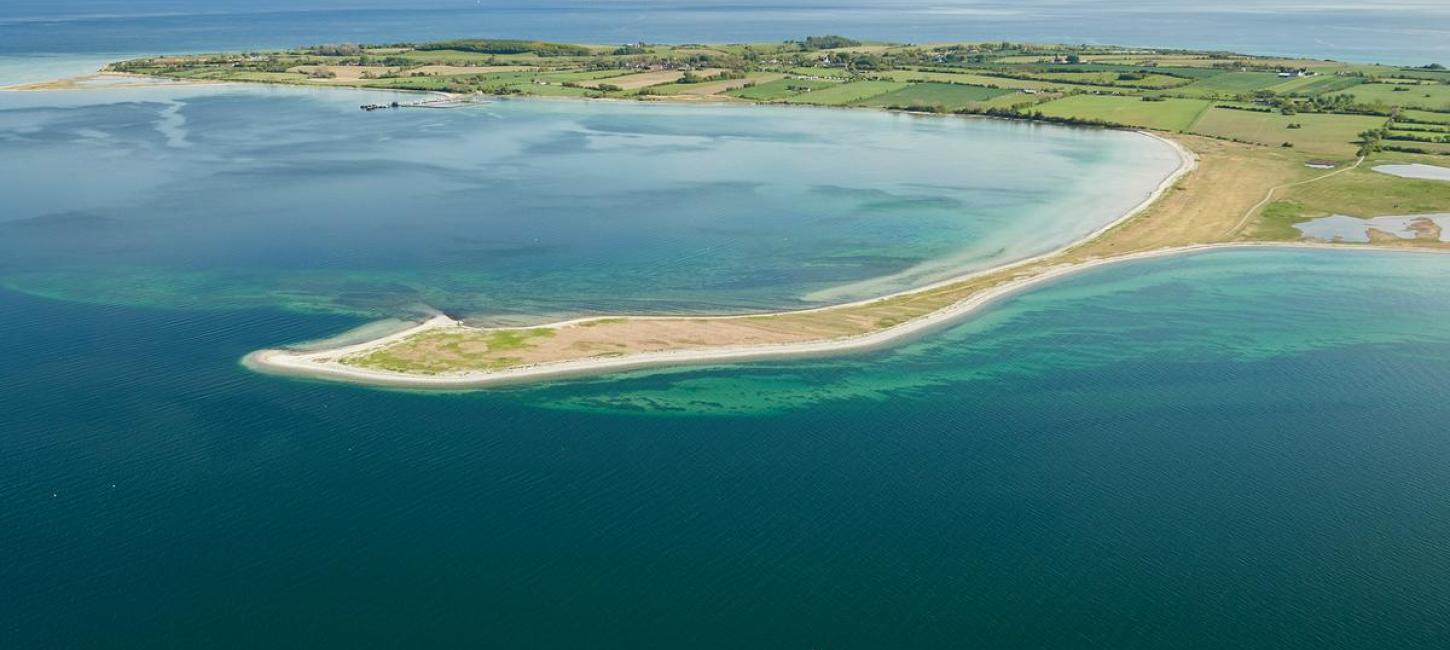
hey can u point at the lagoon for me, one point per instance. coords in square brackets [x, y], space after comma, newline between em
[217, 197]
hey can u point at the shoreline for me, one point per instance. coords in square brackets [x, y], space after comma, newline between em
[303, 365]
[321, 364]
[956, 299]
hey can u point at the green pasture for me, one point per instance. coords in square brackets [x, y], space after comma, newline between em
[1167, 115]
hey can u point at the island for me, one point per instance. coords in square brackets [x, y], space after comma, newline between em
[1273, 152]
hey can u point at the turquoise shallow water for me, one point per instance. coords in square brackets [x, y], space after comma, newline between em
[1233, 449]
[237, 196]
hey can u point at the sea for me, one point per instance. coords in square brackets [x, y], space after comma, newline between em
[1235, 448]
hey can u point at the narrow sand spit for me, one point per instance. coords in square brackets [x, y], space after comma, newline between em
[322, 365]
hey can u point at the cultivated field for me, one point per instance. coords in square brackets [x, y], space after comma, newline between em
[848, 93]
[945, 97]
[1329, 135]
[1167, 115]
[1430, 96]
[780, 89]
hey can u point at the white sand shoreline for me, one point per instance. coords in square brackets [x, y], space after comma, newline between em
[284, 362]
[322, 364]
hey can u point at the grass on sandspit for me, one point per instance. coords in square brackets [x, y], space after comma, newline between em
[1365, 193]
[442, 350]
[1360, 192]
[1277, 220]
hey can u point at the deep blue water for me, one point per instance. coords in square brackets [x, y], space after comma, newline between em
[1165, 454]
[1233, 449]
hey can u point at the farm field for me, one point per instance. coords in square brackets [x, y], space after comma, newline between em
[969, 78]
[1427, 116]
[1317, 85]
[581, 75]
[1325, 134]
[1014, 98]
[638, 80]
[1156, 81]
[780, 89]
[947, 97]
[1168, 115]
[1437, 148]
[708, 88]
[1231, 83]
[1427, 96]
[847, 93]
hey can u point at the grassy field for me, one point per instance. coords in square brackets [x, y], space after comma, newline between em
[946, 97]
[1317, 85]
[968, 78]
[780, 89]
[1015, 98]
[1324, 134]
[636, 81]
[1427, 116]
[848, 93]
[1168, 115]
[1426, 96]
[1113, 79]
[1232, 83]
[1359, 192]
[708, 88]
[581, 75]
[829, 73]
[1440, 148]
[439, 351]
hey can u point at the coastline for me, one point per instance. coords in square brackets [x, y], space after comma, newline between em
[306, 365]
[322, 364]
[995, 282]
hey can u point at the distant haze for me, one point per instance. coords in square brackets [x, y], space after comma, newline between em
[1400, 31]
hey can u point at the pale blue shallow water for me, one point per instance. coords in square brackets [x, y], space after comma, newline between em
[232, 196]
